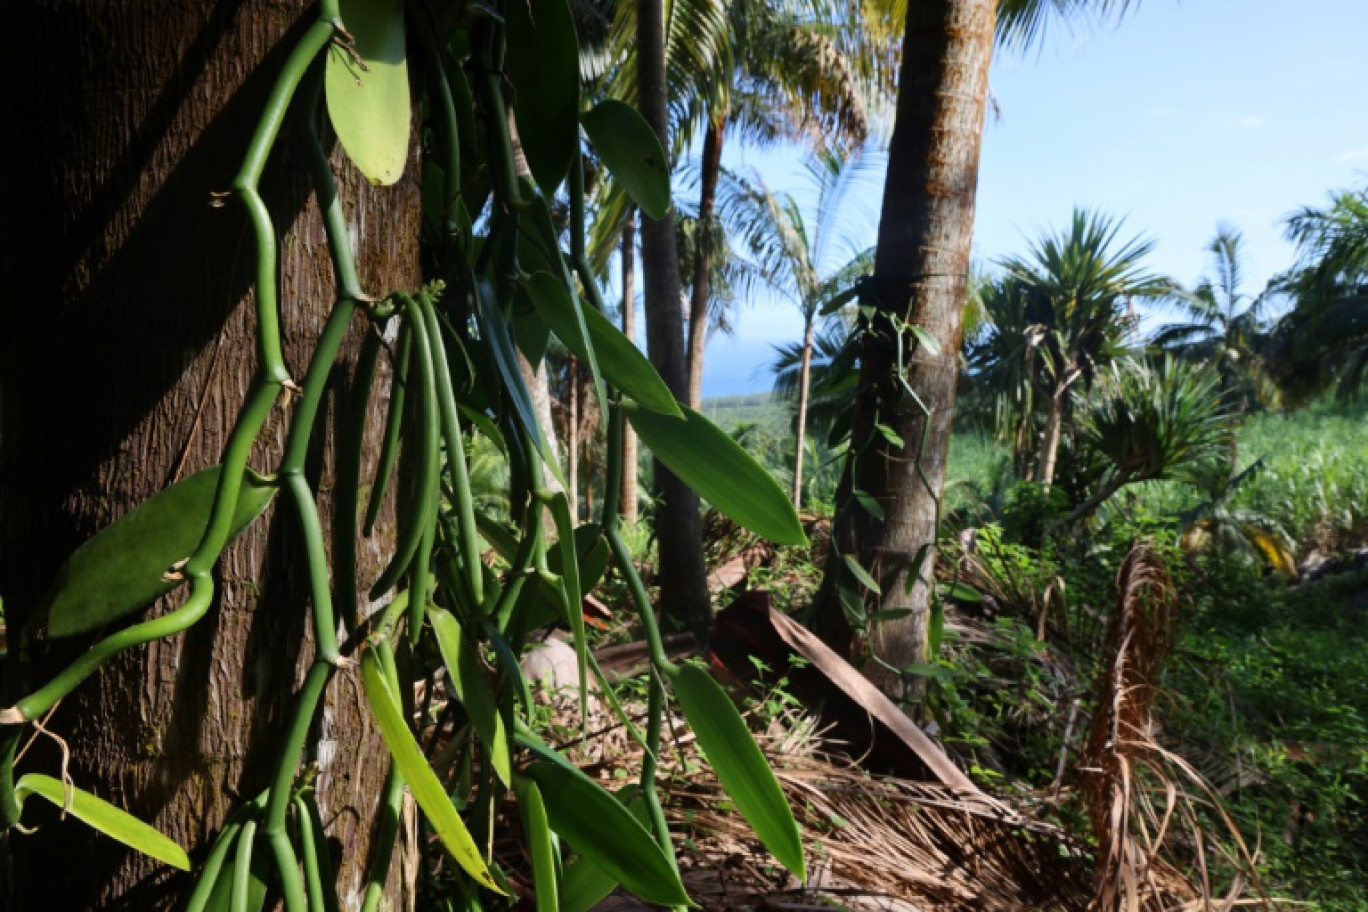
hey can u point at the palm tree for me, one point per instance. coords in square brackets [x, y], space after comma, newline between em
[922, 264]
[1323, 340]
[1077, 291]
[1222, 324]
[799, 253]
[679, 531]
[806, 72]
[832, 374]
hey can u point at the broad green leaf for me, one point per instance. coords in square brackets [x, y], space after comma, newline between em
[632, 152]
[541, 604]
[921, 670]
[585, 884]
[422, 781]
[739, 764]
[839, 301]
[722, 473]
[543, 65]
[472, 689]
[962, 593]
[105, 817]
[861, 574]
[925, 339]
[495, 328]
[538, 833]
[936, 628]
[621, 362]
[368, 91]
[598, 827]
[122, 568]
[870, 505]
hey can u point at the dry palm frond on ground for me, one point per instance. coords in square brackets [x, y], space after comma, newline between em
[1143, 800]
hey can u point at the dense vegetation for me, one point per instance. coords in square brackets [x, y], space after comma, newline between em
[1114, 568]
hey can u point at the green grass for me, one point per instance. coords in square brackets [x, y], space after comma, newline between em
[1312, 479]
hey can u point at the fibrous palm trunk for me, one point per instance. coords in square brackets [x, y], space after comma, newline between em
[128, 349]
[921, 269]
[678, 529]
[710, 172]
[800, 437]
[629, 440]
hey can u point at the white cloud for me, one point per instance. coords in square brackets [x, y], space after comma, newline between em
[1353, 155]
[1250, 122]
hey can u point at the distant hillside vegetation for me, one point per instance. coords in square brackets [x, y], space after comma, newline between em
[764, 409]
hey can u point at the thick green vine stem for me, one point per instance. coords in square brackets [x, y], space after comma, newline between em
[245, 184]
[456, 456]
[423, 492]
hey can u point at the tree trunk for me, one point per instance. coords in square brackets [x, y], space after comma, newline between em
[1049, 444]
[703, 262]
[920, 273]
[678, 528]
[129, 348]
[804, 381]
[629, 440]
[572, 441]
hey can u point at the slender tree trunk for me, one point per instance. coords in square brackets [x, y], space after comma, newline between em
[128, 349]
[920, 273]
[629, 439]
[804, 382]
[1049, 444]
[703, 262]
[678, 528]
[572, 439]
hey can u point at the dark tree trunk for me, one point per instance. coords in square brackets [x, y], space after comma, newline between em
[919, 276]
[703, 262]
[678, 529]
[127, 353]
[800, 438]
[629, 440]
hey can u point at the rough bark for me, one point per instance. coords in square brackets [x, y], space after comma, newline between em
[711, 170]
[629, 439]
[128, 351]
[800, 437]
[678, 528]
[921, 267]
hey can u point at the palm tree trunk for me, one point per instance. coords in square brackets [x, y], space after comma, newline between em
[1049, 444]
[116, 241]
[678, 529]
[629, 440]
[804, 380]
[711, 171]
[920, 274]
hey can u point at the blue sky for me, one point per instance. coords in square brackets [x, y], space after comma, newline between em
[1184, 115]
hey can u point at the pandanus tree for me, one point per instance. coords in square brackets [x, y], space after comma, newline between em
[1149, 422]
[1222, 324]
[804, 253]
[884, 531]
[1078, 289]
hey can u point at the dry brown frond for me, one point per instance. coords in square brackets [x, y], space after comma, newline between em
[1143, 800]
